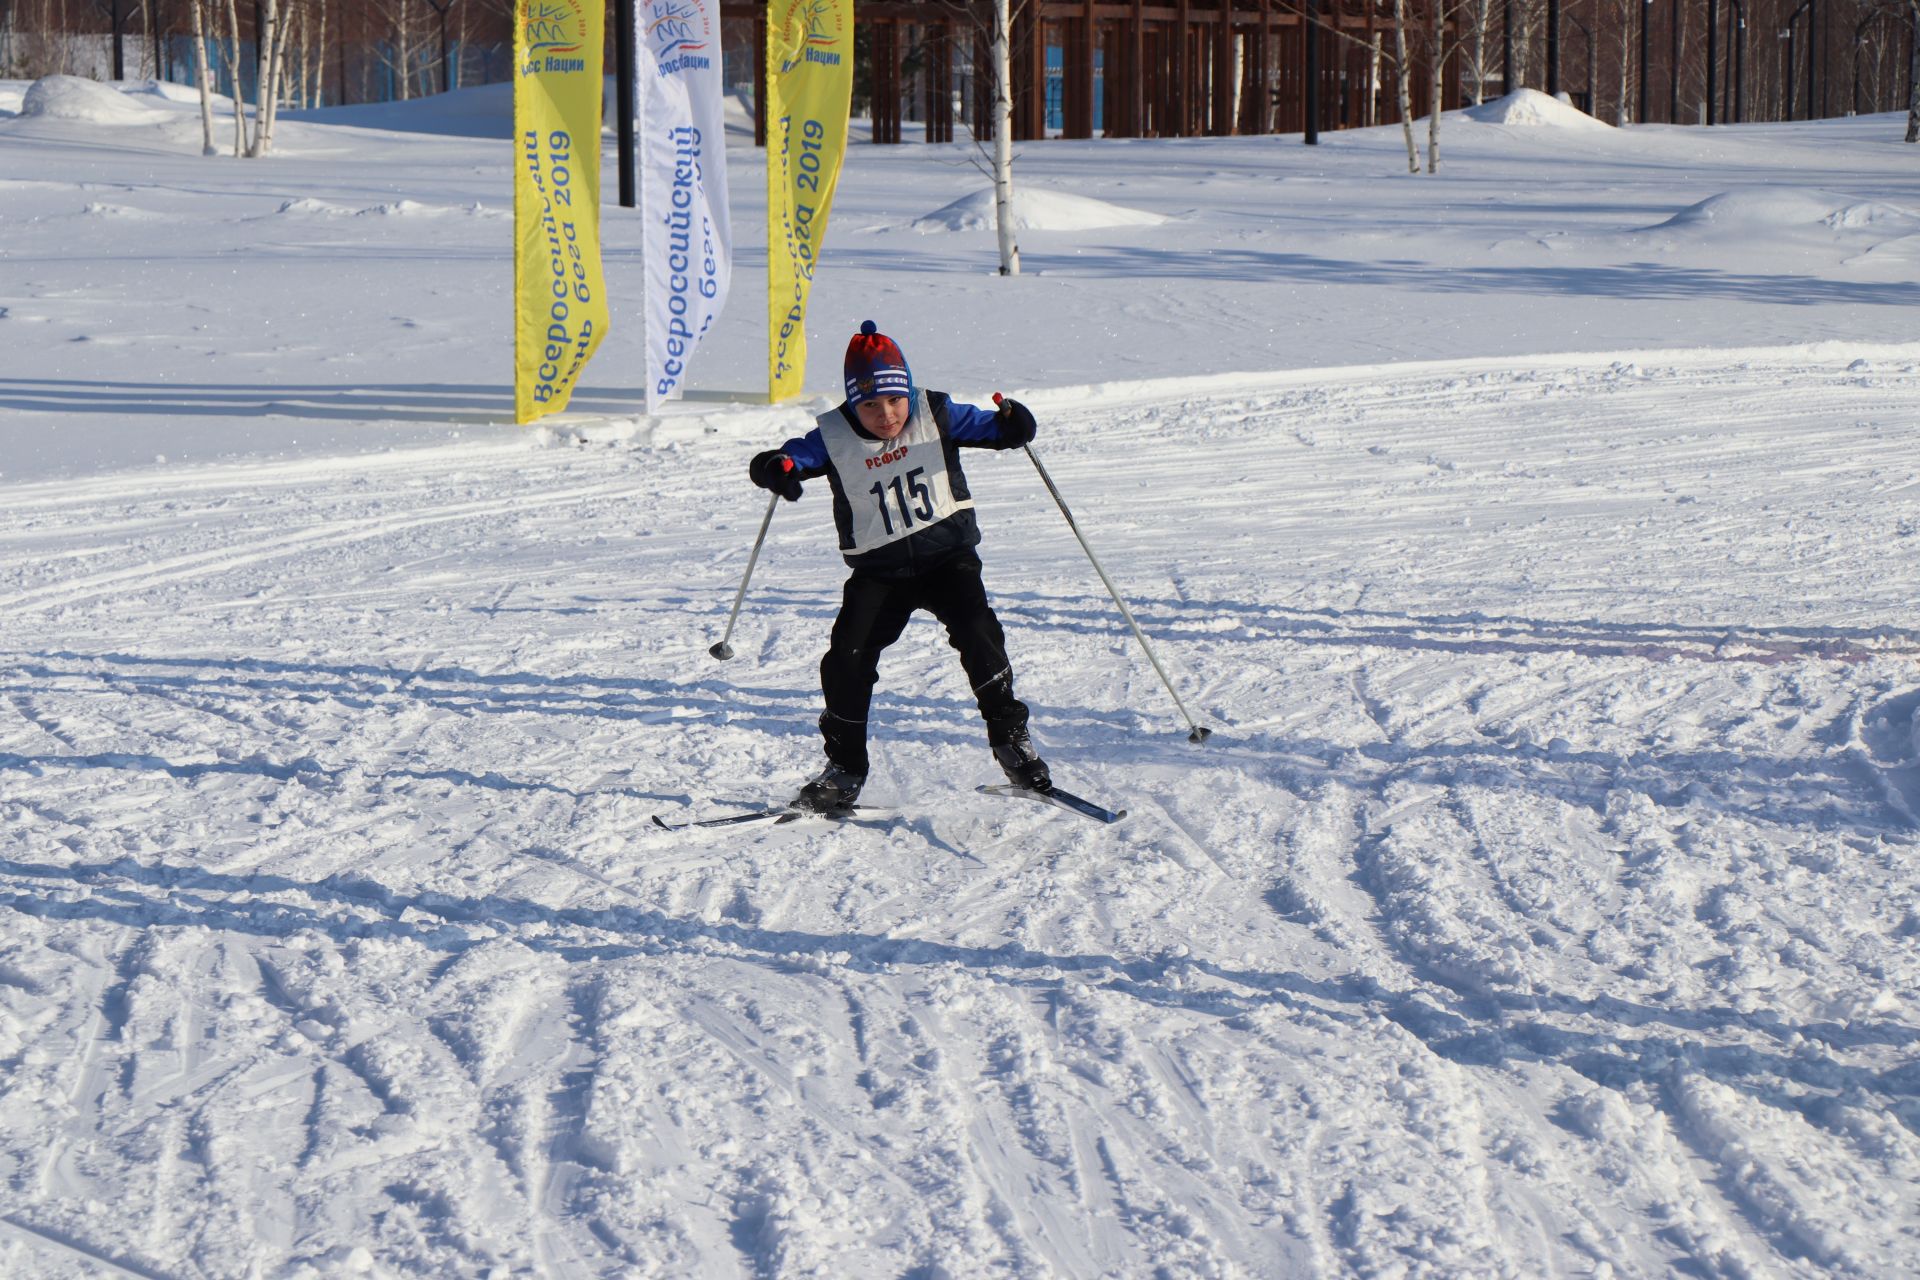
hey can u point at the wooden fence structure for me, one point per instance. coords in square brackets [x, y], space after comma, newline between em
[1127, 68]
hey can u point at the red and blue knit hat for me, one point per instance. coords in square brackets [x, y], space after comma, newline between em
[875, 366]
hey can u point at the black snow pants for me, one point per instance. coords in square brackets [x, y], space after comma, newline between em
[873, 613]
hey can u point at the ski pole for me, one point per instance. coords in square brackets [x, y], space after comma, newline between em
[723, 650]
[1200, 732]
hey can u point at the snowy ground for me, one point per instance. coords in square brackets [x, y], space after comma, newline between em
[1544, 904]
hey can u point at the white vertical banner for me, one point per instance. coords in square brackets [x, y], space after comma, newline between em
[687, 240]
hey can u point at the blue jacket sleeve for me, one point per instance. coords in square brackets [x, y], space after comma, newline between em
[809, 454]
[971, 425]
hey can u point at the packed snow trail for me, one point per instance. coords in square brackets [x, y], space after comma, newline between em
[1543, 905]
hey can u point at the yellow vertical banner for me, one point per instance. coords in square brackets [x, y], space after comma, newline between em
[809, 93]
[559, 293]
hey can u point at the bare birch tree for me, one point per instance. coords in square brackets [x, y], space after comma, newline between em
[230, 54]
[202, 75]
[1403, 82]
[1476, 60]
[1398, 59]
[1003, 137]
[1625, 11]
[294, 60]
[404, 57]
[153, 37]
[1437, 48]
[266, 97]
[317, 69]
[1448, 29]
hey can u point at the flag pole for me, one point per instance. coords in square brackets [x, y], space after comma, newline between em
[623, 60]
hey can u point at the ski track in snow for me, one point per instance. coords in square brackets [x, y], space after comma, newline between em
[1543, 904]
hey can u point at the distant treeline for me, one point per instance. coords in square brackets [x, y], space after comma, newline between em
[1681, 61]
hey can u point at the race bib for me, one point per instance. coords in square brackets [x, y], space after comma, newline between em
[893, 488]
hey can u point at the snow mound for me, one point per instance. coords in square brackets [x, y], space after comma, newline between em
[71, 98]
[1871, 213]
[1035, 210]
[98, 210]
[478, 111]
[1782, 208]
[481, 111]
[308, 207]
[1532, 108]
[167, 91]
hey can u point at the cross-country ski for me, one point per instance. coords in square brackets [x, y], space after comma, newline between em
[1058, 797]
[778, 814]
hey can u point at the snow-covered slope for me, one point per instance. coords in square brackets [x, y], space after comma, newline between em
[1544, 903]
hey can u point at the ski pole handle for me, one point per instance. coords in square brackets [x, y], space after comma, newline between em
[723, 650]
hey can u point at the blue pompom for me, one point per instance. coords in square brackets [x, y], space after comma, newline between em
[868, 326]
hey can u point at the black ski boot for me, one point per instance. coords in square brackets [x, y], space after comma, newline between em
[1021, 763]
[833, 790]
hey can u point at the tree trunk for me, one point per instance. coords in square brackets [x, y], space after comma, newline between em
[1373, 82]
[1003, 137]
[202, 75]
[1482, 13]
[1620, 109]
[277, 71]
[263, 93]
[318, 95]
[299, 43]
[1436, 61]
[231, 56]
[1403, 80]
[400, 60]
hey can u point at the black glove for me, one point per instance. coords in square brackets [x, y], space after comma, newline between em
[774, 471]
[1016, 424]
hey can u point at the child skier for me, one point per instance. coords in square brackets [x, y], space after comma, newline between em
[907, 530]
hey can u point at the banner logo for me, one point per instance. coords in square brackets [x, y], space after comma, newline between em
[679, 32]
[824, 28]
[553, 28]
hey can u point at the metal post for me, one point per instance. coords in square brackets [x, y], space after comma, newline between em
[1592, 73]
[1813, 54]
[624, 58]
[1311, 32]
[1506, 48]
[1553, 47]
[1673, 63]
[1790, 68]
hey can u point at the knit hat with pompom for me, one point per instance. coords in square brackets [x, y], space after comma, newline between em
[875, 366]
